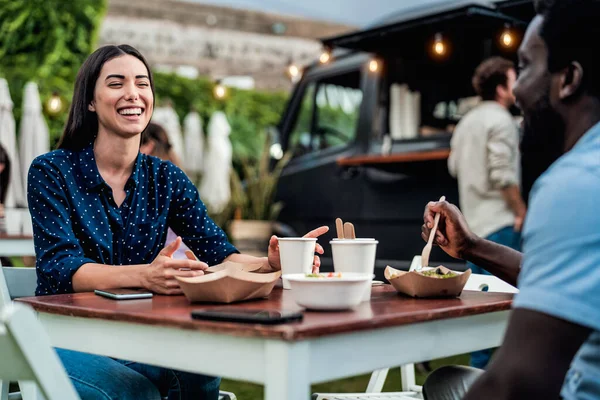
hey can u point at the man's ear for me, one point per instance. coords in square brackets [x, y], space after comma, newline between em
[571, 80]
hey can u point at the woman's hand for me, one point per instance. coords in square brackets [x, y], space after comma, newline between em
[160, 275]
[273, 254]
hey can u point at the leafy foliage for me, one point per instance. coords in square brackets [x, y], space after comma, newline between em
[258, 183]
[46, 41]
[249, 112]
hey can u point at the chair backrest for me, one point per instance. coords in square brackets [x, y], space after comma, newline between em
[21, 281]
[489, 283]
[28, 356]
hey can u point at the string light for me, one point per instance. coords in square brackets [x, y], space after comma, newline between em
[507, 39]
[220, 91]
[325, 56]
[54, 105]
[439, 47]
[373, 66]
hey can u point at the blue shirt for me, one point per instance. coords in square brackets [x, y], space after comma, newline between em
[560, 275]
[76, 220]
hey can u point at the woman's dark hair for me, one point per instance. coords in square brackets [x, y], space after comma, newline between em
[156, 133]
[5, 174]
[570, 31]
[82, 124]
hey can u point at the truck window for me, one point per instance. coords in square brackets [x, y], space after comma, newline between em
[328, 114]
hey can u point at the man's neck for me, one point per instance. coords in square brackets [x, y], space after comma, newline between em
[579, 119]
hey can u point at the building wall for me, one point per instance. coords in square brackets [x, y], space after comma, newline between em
[216, 41]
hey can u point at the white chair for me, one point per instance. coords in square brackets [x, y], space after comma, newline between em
[17, 282]
[28, 356]
[21, 282]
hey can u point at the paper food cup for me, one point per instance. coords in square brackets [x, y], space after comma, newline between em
[296, 255]
[354, 255]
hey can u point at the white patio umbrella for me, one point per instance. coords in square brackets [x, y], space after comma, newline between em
[193, 137]
[16, 194]
[215, 190]
[169, 120]
[33, 131]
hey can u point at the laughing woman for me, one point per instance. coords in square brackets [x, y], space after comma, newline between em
[100, 212]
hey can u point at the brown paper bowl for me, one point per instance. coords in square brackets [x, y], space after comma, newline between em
[416, 285]
[229, 282]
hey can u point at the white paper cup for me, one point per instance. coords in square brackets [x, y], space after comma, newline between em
[296, 255]
[354, 255]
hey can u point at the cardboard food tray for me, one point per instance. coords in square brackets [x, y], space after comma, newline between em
[416, 285]
[229, 282]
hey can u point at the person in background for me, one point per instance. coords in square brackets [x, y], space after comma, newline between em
[155, 142]
[4, 179]
[484, 157]
[551, 348]
[100, 211]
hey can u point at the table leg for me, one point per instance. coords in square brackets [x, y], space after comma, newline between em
[287, 371]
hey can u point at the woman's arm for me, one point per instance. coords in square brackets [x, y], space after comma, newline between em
[158, 277]
[62, 265]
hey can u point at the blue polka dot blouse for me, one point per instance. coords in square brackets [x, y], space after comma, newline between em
[76, 220]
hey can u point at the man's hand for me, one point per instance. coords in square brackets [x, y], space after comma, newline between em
[453, 234]
[273, 254]
[159, 277]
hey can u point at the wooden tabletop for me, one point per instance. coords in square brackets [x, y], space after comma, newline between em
[387, 308]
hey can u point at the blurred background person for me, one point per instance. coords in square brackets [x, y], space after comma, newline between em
[484, 157]
[4, 178]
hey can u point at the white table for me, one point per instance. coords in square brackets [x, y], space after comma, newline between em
[287, 359]
[16, 237]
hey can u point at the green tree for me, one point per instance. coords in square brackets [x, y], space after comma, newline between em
[47, 41]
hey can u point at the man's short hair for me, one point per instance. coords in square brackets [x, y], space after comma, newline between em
[571, 31]
[489, 74]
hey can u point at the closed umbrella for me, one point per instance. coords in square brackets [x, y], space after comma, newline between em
[169, 120]
[215, 190]
[193, 138]
[16, 193]
[33, 132]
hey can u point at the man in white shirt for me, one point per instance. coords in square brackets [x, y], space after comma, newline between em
[485, 159]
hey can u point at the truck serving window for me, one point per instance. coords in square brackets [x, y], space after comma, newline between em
[328, 114]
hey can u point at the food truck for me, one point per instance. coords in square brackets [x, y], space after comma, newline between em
[369, 123]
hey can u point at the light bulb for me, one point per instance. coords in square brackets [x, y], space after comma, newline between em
[325, 57]
[439, 47]
[373, 66]
[220, 91]
[507, 39]
[293, 70]
[54, 104]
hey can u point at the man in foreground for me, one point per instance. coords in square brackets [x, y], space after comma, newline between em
[556, 319]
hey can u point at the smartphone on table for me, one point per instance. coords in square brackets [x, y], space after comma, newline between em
[124, 294]
[228, 314]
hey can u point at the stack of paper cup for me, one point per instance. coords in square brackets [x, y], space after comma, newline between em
[296, 255]
[354, 255]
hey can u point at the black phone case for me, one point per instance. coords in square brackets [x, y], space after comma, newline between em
[223, 316]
